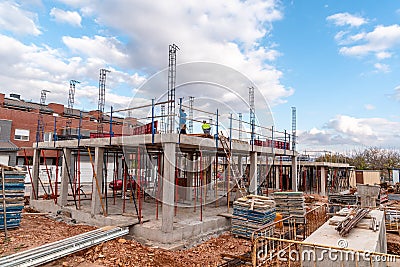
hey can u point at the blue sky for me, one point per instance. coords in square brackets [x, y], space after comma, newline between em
[337, 61]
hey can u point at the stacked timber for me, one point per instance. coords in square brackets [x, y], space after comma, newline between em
[290, 204]
[12, 190]
[250, 213]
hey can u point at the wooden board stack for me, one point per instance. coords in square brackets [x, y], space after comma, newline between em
[290, 204]
[250, 213]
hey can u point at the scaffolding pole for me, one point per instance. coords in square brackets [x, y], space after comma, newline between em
[102, 99]
[171, 86]
[252, 113]
[71, 100]
[191, 102]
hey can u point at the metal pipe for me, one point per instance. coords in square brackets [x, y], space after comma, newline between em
[56, 185]
[4, 204]
[216, 132]
[144, 106]
[111, 132]
[152, 122]
[79, 128]
[30, 176]
[48, 174]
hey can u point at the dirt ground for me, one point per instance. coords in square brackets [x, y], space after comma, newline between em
[393, 243]
[36, 230]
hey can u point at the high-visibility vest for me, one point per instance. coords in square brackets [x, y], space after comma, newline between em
[205, 126]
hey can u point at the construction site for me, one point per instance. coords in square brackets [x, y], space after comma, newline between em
[138, 191]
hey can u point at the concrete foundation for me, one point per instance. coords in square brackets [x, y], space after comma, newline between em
[187, 226]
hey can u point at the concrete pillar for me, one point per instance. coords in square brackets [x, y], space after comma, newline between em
[168, 195]
[96, 207]
[240, 165]
[66, 165]
[190, 178]
[35, 173]
[253, 173]
[294, 174]
[323, 182]
[277, 178]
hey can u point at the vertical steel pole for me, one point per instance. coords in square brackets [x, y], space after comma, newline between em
[111, 117]
[216, 134]
[4, 204]
[180, 118]
[152, 121]
[230, 133]
[79, 128]
[55, 130]
[56, 182]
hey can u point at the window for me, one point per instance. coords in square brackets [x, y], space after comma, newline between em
[48, 137]
[22, 135]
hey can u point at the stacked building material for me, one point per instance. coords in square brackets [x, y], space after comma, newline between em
[12, 194]
[250, 213]
[343, 199]
[290, 204]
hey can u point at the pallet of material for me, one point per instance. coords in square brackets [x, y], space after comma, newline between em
[290, 204]
[342, 199]
[12, 197]
[250, 213]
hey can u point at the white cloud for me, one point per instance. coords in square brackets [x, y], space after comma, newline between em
[382, 67]
[234, 33]
[70, 17]
[106, 49]
[350, 125]
[378, 42]
[27, 69]
[346, 19]
[224, 32]
[383, 55]
[344, 132]
[369, 107]
[13, 18]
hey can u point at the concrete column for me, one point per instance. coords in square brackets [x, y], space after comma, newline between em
[35, 173]
[253, 173]
[294, 174]
[277, 178]
[167, 224]
[323, 182]
[240, 165]
[96, 207]
[66, 165]
[190, 177]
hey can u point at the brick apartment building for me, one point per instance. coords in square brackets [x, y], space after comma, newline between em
[19, 127]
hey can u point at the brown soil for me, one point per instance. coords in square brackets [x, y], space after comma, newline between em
[393, 243]
[36, 230]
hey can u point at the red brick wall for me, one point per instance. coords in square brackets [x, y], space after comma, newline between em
[58, 108]
[27, 120]
[1, 99]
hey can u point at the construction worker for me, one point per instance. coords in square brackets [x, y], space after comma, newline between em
[182, 117]
[206, 128]
[183, 129]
